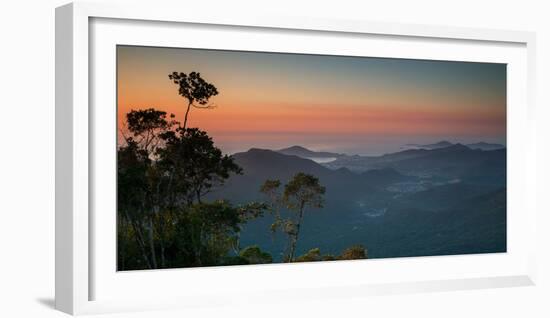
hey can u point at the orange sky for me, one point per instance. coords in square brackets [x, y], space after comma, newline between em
[354, 105]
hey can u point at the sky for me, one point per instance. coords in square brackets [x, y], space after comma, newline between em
[354, 105]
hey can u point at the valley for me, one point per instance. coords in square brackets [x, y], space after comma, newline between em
[417, 202]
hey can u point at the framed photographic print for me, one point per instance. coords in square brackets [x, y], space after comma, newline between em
[211, 158]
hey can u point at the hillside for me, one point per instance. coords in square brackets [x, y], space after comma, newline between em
[416, 201]
[306, 153]
[456, 161]
[443, 144]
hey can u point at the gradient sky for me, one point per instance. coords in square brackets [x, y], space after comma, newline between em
[355, 105]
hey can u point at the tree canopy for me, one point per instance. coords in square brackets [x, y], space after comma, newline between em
[195, 89]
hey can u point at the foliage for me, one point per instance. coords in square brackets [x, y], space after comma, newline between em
[204, 233]
[254, 255]
[148, 121]
[194, 165]
[350, 253]
[164, 170]
[195, 89]
[302, 191]
[146, 125]
[354, 252]
[312, 255]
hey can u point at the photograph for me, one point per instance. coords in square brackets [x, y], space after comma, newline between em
[246, 158]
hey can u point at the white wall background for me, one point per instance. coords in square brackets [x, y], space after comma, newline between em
[27, 158]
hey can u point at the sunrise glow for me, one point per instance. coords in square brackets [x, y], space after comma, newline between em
[347, 104]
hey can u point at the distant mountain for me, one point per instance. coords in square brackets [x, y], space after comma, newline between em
[444, 144]
[415, 153]
[456, 161]
[485, 146]
[441, 144]
[306, 153]
[451, 148]
[264, 163]
[261, 164]
[364, 163]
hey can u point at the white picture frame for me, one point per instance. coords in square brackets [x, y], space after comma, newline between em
[85, 281]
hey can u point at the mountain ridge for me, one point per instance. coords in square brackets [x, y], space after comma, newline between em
[303, 152]
[480, 145]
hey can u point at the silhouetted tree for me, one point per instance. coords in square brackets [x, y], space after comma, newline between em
[313, 255]
[350, 253]
[191, 166]
[271, 189]
[194, 164]
[136, 163]
[163, 171]
[354, 252]
[133, 190]
[195, 89]
[302, 191]
[254, 255]
[146, 126]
